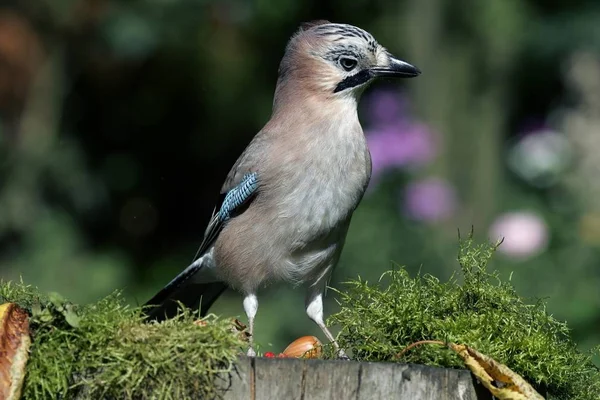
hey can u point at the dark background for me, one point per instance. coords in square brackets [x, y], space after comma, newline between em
[119, 121]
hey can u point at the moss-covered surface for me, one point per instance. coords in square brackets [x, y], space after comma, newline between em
[106, 351]
[379, 320]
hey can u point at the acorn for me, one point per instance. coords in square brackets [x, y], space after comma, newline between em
[304, 347]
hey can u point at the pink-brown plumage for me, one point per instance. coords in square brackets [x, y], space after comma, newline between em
[313, 167]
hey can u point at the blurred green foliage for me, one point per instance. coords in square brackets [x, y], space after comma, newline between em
[120, 119]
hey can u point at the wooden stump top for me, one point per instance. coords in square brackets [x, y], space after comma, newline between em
[284, 378]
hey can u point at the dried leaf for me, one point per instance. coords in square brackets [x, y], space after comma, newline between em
[237, 328]
[14, 350]
[490, 372]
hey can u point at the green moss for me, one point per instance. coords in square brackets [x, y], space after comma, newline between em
[105, 351]
[379, 320]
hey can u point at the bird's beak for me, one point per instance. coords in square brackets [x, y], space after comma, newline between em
[397, 69]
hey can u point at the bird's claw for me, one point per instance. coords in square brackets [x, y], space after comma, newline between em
[342, 355]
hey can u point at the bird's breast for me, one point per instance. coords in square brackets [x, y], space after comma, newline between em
[317, 200]
[326, 184]
[295, 228]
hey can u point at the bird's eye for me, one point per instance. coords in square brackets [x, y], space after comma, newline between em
[348, 63]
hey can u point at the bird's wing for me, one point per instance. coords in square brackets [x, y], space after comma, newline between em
[237, 192]
[232, 203]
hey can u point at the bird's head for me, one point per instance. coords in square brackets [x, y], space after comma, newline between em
[330, 60]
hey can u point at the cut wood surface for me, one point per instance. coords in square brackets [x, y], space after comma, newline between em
[280, 378]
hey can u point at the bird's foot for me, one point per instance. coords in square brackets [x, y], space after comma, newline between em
[251, 352]
[342, 355]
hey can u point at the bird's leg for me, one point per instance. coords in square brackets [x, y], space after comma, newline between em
[250, 307]
[314, 310]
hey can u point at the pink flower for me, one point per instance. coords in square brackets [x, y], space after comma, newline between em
[431, 199]
[394, 140]
[385, 107]
[400, 145]
[525, 234]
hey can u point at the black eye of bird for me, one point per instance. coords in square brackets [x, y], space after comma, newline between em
[348, 63]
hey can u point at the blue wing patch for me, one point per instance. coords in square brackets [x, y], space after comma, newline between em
[238, 195]
[231, 203]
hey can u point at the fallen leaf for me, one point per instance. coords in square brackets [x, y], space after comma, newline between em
[14, 349]
[512, 386]
[237, 328]
[500, 380]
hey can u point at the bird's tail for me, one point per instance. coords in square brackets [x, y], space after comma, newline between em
[186, 290]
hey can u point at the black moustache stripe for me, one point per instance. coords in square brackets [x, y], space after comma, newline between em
[354, 80]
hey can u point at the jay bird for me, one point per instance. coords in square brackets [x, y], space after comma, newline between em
[287, 202]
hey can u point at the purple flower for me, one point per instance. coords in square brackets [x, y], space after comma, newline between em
[395, 141]
[400, 145]
[430, 199]
[525, 234]
[385, 107]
